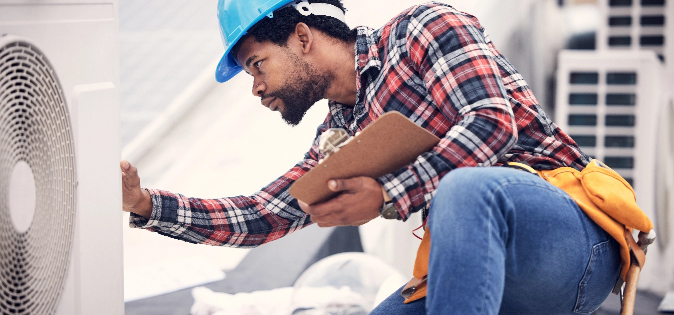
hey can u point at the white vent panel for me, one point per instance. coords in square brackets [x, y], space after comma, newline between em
[37, 144]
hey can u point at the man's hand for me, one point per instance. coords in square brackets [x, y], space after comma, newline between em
[134, 199]
[357, 204]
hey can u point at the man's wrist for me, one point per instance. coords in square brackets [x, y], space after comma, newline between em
[144, 206]
[388, 208]
[384, 194]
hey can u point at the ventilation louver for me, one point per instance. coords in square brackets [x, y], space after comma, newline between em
[37, 181]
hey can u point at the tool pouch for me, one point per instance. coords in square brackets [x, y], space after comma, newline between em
[606, 198]
[613, 195]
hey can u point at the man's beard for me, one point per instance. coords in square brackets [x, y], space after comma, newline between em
[303, 88]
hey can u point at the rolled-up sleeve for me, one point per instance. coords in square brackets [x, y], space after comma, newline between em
[242, 221]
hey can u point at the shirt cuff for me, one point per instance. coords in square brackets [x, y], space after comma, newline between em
[139, 222]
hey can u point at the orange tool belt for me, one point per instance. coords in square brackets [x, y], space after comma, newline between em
[599, 191]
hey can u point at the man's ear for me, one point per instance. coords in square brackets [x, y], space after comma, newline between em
[305, 36]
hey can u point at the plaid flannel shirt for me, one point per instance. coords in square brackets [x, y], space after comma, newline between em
[433, 64]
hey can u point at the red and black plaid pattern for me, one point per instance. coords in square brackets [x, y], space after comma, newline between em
[433, 64]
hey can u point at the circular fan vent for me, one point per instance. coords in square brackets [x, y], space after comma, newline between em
[37, 181]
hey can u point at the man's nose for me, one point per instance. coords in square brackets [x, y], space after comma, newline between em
[258, 88]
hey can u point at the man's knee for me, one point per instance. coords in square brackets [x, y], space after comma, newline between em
[462, 181]
[450, 181]
[469, 194]
[455, 188]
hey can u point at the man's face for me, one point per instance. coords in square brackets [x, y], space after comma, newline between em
[282, 80]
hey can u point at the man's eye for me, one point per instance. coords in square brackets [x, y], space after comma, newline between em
[257, 64]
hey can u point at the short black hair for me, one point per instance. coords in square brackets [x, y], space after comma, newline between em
[278, 29]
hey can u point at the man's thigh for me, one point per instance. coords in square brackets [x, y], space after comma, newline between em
[552, 257]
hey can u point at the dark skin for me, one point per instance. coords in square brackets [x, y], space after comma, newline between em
[360, 198]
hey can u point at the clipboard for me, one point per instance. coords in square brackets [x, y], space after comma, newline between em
[389, 143]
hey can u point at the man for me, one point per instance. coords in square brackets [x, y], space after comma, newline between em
[503, 240]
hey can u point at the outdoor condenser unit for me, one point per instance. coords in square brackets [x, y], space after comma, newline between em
[60, 201]
[617, 107]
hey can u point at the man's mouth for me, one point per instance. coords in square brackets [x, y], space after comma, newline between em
[270, 104]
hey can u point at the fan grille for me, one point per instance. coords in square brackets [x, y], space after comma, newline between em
[34, 129]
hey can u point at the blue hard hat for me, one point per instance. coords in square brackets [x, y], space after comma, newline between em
[236, 18]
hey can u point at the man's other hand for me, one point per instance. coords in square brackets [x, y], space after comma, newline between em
[134, 199]
[359, 202]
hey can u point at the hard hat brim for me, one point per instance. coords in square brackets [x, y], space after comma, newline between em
[227, 68]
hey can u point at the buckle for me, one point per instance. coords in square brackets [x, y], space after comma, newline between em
[412, 286]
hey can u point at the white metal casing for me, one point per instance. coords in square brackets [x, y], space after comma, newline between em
[80, 40]
[651, 98]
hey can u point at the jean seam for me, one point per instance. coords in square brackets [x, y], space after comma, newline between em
[581, 297]
[543, 184]
[488, 273]
[493, 203]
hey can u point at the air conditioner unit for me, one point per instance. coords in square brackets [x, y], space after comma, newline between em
[611, 103]
[60, 201]
[637, 25]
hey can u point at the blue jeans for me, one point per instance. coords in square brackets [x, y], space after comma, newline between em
[505, 241]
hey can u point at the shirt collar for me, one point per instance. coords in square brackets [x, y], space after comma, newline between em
[367, 50]
[367, 58]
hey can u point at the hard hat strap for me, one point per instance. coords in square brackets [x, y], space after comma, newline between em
[305, 8]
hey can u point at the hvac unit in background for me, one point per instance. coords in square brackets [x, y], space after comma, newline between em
[637, 25]
[60, 218]
[612, 103]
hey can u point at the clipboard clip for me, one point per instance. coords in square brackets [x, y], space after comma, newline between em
[331, 140]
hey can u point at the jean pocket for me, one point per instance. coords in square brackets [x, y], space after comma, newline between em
[600, 275]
